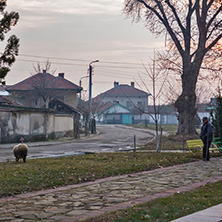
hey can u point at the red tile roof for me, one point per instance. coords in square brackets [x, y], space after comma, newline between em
[4, 100]
[120, 90]
[105, 106]
[124, 90]
[59, 101]
[45, 80]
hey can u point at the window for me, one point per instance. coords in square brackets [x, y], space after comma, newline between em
[139, 103]
[127, 104]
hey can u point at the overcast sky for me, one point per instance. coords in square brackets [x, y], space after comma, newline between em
[76, 33]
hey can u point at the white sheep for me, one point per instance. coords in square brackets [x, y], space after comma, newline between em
[20, 152]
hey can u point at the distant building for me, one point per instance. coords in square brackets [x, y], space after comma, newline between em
[32, 91]
[25, 113]
[114, 113]
[126, 95]
[121, 104]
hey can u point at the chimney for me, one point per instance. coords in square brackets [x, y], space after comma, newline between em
[132, 84]
[116, 84]
[62, 75]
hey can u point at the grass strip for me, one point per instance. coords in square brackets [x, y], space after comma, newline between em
[170, 208]
[39, 174]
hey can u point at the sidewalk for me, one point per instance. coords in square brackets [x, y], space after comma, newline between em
[212, 214]
[82, 201]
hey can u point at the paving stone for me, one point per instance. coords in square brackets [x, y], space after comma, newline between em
[29, 216]
[55, 218]
[65, 204]
[52, 220]
[95, 207]
[6, 218]
[80, 200]
[97, 203]
[78, 204]
[18, 220]
[43, 215]
[78, 196]
[77, 212]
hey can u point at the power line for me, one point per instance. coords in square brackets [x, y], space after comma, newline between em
[72, 64]
[80, 60]
[58, 63]
[49, 57]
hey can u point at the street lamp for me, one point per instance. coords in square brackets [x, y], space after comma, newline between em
[90, 92]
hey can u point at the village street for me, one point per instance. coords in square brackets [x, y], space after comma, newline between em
[111, 138]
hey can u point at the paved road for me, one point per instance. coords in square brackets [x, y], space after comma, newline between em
[110, 139]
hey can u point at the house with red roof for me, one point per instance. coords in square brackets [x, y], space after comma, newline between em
[40, 107]
[134, 100]
[114, 113]
[126, 95]
[38, 90]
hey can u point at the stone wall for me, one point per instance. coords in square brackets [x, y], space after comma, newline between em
[33, 125]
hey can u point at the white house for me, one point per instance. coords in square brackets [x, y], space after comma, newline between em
[126, 95]
[114, 113]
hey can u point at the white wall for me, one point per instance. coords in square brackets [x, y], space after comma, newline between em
[63, 123]
[203, 114]
[124, 100]
[30, 123]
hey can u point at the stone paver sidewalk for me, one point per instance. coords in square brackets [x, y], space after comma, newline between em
[76, 202]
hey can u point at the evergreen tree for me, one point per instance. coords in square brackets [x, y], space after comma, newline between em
[217, 118]
[7, 57]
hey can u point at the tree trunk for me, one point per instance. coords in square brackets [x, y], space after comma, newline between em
[186, 102]
[186, 108]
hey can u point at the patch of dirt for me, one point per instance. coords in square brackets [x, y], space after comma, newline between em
[171, 142]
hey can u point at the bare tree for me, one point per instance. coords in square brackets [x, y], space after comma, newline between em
[158, 77]
[42, 82]
[39, 67]
[155, 75]
[83, 106]
[193, 29]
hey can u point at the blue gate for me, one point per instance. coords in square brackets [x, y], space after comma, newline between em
[127, 118]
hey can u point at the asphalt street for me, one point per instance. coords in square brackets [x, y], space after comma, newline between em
[111, 138]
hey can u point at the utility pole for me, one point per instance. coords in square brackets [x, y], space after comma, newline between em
[80, 85]
[90, 95]
[90, 92]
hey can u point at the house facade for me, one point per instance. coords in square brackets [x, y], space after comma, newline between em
[37, 123]
[126, 95]
[38, 90]
[114, 113]
[40, 107]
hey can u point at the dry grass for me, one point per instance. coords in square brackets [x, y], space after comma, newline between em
[171, 142]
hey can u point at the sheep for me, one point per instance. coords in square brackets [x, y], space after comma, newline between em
[20, 152]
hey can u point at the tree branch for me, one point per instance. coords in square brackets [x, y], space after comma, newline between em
[213, 43]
